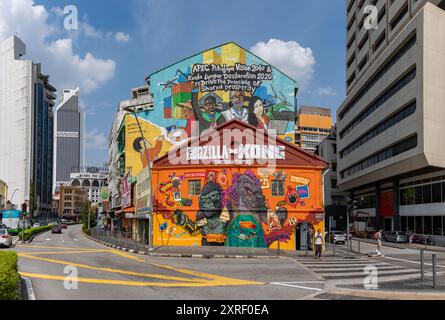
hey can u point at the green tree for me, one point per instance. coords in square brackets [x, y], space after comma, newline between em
[86, 209]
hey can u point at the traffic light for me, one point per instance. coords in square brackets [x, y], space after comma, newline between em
[352, 204]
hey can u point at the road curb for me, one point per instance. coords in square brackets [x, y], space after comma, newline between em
[179, 255]
[28, 291]
[388, 294]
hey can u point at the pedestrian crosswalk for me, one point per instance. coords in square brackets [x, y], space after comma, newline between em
[356, 270]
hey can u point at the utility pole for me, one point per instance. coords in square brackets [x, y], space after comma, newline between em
[352, 205]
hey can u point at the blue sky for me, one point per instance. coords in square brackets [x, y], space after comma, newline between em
[156, 33]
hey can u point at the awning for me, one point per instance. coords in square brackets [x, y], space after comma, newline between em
[126, 210]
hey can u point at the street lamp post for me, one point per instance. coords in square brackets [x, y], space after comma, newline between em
[147, 158]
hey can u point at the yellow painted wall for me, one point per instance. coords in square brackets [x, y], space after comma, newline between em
[3, 192]
[133, 159]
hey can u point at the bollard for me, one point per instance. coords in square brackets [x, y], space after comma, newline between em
[278, 251]
[422, 265]
[434, 271]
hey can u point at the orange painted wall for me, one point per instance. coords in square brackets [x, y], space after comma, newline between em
[174, 235]
[314, 121]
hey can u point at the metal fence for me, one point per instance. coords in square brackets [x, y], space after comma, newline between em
[125, 239]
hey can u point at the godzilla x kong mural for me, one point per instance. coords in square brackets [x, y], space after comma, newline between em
[252, 206]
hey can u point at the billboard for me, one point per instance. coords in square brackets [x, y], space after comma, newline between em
[126, 191]
[143, 192]
[11, 218]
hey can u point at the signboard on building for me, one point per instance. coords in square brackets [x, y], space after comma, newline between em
[126, 191]
[243, 154]
[143, 192]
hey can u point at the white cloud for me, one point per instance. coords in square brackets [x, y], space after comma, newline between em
[96, 140]
[327, 91]
[67, 69]
[122, 37]
[290, 57]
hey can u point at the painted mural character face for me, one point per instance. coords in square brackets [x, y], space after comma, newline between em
[210, 201]
[251, 195]
[210, 105]
[258, 108]
[237, 99]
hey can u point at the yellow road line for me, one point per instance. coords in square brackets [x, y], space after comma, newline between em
[65, 252]
[146, 275]
[126, 255]
[127, 283]
[47, 247]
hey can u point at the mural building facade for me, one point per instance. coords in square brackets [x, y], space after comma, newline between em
[234, 198]
[223, 202]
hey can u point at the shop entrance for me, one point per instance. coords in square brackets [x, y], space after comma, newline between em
[304, 236]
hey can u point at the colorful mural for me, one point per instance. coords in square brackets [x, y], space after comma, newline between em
[236, 214]
[219, 85]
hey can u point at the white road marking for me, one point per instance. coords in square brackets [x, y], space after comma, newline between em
[301, 282]
[294, 286]
[416, 262]
[48, 239]
[76, 239]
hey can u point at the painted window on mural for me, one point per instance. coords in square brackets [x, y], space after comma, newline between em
[277, 188]
[194, 187]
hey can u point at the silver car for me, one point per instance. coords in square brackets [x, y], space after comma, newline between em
[5, 238]
[338, 237]
[397, 237]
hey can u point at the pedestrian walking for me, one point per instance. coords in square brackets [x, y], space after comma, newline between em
[318, 244]
[379, 238]
[411, 239]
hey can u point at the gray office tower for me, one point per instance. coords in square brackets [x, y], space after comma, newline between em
[69, 137]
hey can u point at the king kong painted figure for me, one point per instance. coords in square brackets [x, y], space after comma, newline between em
[211, 221]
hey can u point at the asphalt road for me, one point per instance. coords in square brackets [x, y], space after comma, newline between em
[51, 262]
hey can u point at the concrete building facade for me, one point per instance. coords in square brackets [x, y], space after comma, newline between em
[313, 126]
[334, 199]
[71, 201]
[26, 128]
[141, 100]
[391, 123]
[91, 183]
[69, 137]
[3, 195]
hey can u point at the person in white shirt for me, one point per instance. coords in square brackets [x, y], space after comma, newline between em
[318, 244]
[237, 109]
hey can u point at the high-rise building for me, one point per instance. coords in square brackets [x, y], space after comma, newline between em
[69, 137]
[314, 124]
[390, 127]
[26, 128]
[334, 199]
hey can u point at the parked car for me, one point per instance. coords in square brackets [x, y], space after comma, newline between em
[428, 240]
[64, 225]
[396, 237]
[36, 225]
[337, 237]
[5, 238]
[56, 229]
